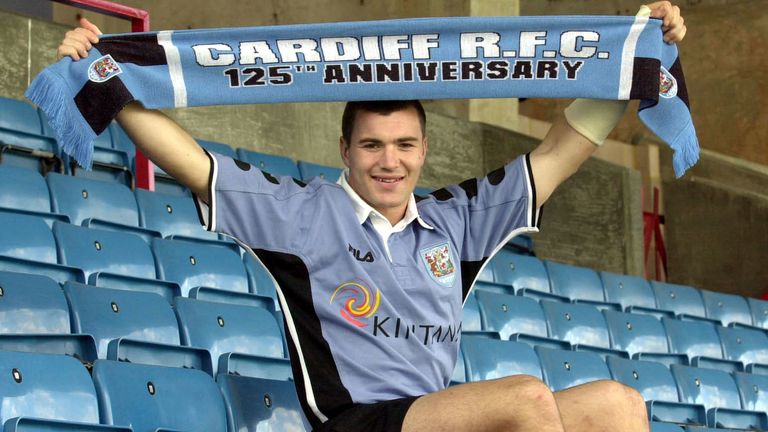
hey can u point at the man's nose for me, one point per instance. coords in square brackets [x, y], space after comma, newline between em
[390, 158]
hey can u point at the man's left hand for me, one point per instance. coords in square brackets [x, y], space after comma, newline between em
[674, 27]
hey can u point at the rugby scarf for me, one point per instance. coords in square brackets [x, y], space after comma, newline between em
[598, 57]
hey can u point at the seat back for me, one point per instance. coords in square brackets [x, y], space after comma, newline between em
[149, 397]
[636, 333]
[471, 314]
[83, 198]
[16, 115]
[680, 299]
[574, 282]
[653, 380]
[217, 147]
[709, 387]
[224, 328]
[259, 280]
[31, 304]
[95, 250]
[564, 369]
[48, 386]
[693, 338]
[26, 237]
[520, 271]
[510, 314]
[488, 358]
[170, 215]
[256, 404]
[627, 290]
[726, 308]
[576, 323]
[309, 170]
[744, 345]
[759, 310]
[753, 390]
[23, 189]
[109, 314]
[273, 164]
[192, 264]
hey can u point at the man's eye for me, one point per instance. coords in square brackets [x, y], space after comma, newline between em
[370, 145]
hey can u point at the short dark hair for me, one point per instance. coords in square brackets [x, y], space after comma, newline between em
[378, 107]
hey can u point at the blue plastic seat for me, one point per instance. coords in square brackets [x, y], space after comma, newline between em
[192, 264]
[421, 191]
[753, 389]
[26, 237]
[717, 391]
[665, 427]
[23, 189]
[744, 344]
[579, 324]
[759, 310]
[165, 289]
[510, 314]
[574, 282]
[726, 308]
[488, 358]
[31, 304]
[565, 369]
[228, 328]
[680, 299]
[26, 424]
[109, 314]
[170, 215]
[46, 386]
[309, 170]
[639, 335]
[273, 164]
[520, 244]
[627, 290]
[259, 280]
[699, 341]
[259, 404]
[22, 142]
[471, 320]
[149, 397]
[521, 272]
[82, 198]
[95, 250]
[217, 147]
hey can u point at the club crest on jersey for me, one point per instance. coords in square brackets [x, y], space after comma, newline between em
[667, 84]
[439, 265]
[103, 68]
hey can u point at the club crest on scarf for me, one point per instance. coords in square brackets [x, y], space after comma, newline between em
[439, 265]
[103, 69]
[667, 84]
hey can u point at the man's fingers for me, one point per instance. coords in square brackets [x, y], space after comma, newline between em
[66, 50]
[676, 34]
[659, 9]
[86, 34]
[78, 38]
[84, 23]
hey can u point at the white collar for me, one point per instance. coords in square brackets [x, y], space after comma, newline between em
[363, 210]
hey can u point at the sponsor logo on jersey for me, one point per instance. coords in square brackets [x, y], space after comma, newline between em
[356, 302]
[439, 265]
[104, 68]
[667, 84]
[368, 257]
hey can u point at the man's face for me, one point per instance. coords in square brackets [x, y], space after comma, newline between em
[384, 156]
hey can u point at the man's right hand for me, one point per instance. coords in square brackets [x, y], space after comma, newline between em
[79, 41]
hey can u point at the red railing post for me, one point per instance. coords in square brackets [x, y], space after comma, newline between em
[139, 18]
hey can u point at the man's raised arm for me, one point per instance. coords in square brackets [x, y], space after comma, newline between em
[586, 123]
[160, 138]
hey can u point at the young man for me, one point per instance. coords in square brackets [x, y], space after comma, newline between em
[372, 279]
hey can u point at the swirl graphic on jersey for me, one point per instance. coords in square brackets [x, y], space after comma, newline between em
[358, 303]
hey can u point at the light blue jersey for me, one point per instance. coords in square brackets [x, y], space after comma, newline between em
[369, 321]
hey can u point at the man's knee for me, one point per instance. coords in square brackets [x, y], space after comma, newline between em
[622, 397]
[529, 391]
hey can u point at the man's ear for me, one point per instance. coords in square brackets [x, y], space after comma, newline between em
[426, 146]
[344, 151]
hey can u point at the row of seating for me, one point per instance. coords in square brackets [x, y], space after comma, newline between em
[680, 394]
[609, 332]
[512, 273]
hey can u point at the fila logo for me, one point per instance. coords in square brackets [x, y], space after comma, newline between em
[356, 253]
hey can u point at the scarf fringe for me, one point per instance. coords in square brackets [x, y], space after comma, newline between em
[73, 134]
[686, 150]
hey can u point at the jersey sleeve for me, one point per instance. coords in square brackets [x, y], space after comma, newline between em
[258, 209]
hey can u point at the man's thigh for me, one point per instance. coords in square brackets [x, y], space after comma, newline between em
[602, 406]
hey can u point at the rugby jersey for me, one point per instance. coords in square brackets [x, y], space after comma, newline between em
[368, 318]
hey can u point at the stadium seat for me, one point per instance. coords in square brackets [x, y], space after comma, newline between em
[217, 147]
[309, 170]
[259, 404]
[23, 189]
[574, 282]
[26, 237]
[520, 244]
[759, 309]
[657, 385]
[167, 290]
[726, 308]
[421, 191]
[24, 424]
[665, 427]
[32, 304]
[109, 314]
[459, 375]
[224, 328]
[744, 344]
[510, 314]
[170, 215]
[273, 164]
[525, 274]
[753, 390]
[46, 386]
[565, 369]
[717, 391]
[680, 299]
[149, 397]
[488, 358]
[471, 320]
[485, 274]
[700, 342]
[579, 324]
[22, 142]
[259, 280]
[627, 290]
[192, 264]
[642, 336]
[95, 250]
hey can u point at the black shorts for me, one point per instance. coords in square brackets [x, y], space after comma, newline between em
[384, 416]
